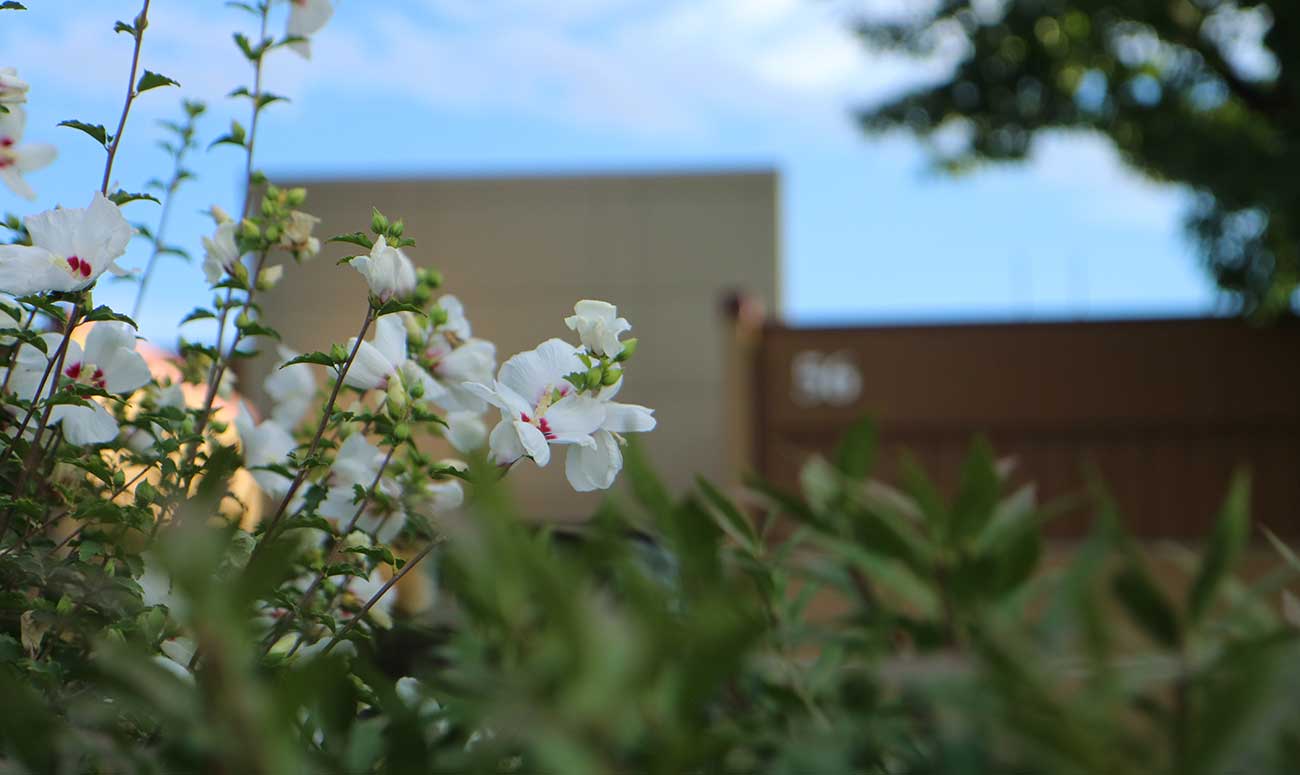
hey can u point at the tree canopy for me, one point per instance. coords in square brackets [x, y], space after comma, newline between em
[1198, 92]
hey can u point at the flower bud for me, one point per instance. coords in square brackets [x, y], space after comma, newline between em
[629, 349]
[417, 390]
[244, 320]
[248, 230]
[272, 233]
[378, 223]
[402, 431]
[219, 215]
[399, 402]
[438, 317]
[269, 207]
[269, 276]
[396, 229]
[594, 376]
[611, 377]
[239, 272]
[421, 295]
[338, 352]
[295, 196]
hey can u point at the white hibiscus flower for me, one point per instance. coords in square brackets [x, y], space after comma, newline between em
[357, 463]
[306, 18]
[17, 159]
[71, 248]
[387, 270]
[599, 326]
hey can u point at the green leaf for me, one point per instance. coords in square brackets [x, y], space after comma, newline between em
[730, 518]
[152, 80]
[857, 449]
[121, 26]
[396, 305]
[96, 131]
[198, 314]
[121, 197]
[1147, 605]
[1225, 545]
[255, 328]
[103, 312]
[12, 5]
[236, 136]
[355, 238]
[317, 358]
[977, 497]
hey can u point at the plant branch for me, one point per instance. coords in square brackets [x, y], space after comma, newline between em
[141, 22]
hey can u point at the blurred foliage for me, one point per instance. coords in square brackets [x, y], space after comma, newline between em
[869, 629]
[1198, 92]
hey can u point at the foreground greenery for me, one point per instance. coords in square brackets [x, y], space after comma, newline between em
[888, 631]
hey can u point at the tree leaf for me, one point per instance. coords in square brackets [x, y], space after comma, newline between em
[1147, 605]
[121, 197]
[355, 238]
[857, 449]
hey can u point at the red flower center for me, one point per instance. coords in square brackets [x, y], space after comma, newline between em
[75, 371]
[79, 266]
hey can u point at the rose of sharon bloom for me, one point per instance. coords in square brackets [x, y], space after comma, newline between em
[387, 270]
[538, 406]
[358, 463]
[306, 18]
[595, 468]
[264, 444]
[384, 365]
[297, 237]
[220, 252]
[453, 357]
[13, 90]
[71, 248]
[17, 159]
[292, 389]
[599, 326]
[109, 362]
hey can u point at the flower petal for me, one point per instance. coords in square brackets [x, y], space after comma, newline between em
[594, 468]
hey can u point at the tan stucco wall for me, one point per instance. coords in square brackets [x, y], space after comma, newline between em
[520, 251]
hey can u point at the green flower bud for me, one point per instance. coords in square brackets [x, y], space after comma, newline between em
[402, 431]
[269, 276]
[269, 207]
[594, 375]
[248, 230]
[611, 376]
[438, 316]
[273, 233]
[295, 196]
[421, 295]
[399, 403]
[629, 349]
[396, 229]
[417, 390]
[240, 273]
[378, 223]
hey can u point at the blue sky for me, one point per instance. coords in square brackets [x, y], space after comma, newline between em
[498, 86]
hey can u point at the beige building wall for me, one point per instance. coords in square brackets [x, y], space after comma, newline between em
[520, 251]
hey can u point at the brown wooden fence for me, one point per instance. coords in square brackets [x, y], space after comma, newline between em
[1163, 409]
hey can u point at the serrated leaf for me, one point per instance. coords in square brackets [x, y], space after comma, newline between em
[121, 197]
[96, 131]
[152, 80]
[103, 312]
[317, 358]
[355, 238]
[198, 314]
[393, 305]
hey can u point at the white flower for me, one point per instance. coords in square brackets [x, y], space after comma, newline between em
[436, 496]
[306, 18]
[71, 249]
[15, 159]
[220, 252]
[13, 90]
[456, 324]
[377, 363]
[599, 326]
[357, 463]
[538, 406]
[109, 362]
[156, 587]
[596, 467]
[292, 389]
[387, 270]
[145, 441]
[297, 235]
[264, 444]
[466, 431]
[358, 591]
